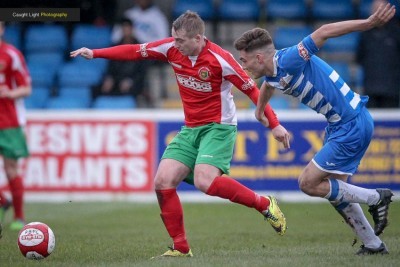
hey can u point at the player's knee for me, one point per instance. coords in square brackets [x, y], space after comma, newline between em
[305, 185]
[158, 183]
[161, 182]
[10, 172]
[203, 179]
[202, 183]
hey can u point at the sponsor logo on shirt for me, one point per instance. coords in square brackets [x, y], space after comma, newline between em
[204, 73]
[143, 50]
[193, 83]
[248, 85]
[303, 51]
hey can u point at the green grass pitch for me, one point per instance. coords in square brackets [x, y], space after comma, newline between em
[220, 234]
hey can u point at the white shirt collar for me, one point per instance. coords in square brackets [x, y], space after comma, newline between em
[275, 63]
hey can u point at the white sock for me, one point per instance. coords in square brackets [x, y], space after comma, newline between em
[345, 192]
[355, 217]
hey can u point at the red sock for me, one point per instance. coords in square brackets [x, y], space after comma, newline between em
[228, 188]
[3, 199]
[172, 216]
[17, 193]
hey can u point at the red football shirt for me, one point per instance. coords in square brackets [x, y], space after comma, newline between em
[13, 73]
[205, 81]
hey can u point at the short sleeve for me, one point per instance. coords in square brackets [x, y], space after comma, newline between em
[294, 58]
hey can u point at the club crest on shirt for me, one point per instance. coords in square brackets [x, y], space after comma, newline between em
[204, 73]
[303, 51]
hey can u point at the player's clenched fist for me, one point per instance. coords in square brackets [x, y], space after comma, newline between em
[84, 52]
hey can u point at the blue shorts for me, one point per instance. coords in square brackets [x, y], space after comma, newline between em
[345, 145]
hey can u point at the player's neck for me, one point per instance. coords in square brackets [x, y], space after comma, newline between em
[269, 66]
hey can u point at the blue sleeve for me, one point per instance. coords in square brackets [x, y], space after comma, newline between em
[294, 58]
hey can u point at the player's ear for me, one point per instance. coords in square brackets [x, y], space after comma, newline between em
[198, 37]
[260, 58]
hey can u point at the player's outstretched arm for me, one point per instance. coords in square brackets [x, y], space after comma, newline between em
[382, 15]
[266, 93]
[84, 52]
[279, 132]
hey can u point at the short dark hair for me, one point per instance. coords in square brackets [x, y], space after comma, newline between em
[253, 39]
[190, 22]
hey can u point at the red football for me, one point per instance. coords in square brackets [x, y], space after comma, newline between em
[36, 241]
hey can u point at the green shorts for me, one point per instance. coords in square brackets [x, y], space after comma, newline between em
[208, 144]
[13, 143]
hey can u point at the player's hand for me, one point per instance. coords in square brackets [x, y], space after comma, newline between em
[281, 134]
[382, 15]
[83, 52]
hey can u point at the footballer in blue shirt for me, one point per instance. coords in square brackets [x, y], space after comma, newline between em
[298, 72]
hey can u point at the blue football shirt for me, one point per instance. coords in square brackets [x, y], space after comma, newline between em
[300, 73]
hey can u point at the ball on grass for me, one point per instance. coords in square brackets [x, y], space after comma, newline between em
[36, 241]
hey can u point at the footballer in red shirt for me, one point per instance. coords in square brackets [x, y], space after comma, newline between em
[15, 84]
[201, 152]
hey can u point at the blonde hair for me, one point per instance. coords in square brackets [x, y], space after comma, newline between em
[190, 22]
